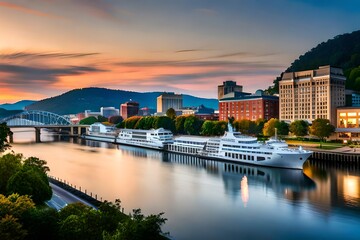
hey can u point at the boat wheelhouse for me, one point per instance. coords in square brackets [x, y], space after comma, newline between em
[101, 132]
[154, 138]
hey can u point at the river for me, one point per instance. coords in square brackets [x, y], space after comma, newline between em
[206, 199]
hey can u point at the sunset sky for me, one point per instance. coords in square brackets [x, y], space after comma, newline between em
[48, 47]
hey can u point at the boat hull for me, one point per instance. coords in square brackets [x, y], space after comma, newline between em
[135, 144]
[100, 138]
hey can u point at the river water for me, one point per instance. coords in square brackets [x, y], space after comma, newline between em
[206, 199]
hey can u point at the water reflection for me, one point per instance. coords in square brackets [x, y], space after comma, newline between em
[236, 175]
[340, 188]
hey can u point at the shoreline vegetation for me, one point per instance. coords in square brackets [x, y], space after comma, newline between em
[24, 188]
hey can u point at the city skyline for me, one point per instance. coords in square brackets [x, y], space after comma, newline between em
[49, 47]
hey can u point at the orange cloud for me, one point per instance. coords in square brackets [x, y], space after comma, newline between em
[26, 10]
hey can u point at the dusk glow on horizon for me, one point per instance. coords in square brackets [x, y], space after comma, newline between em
[48, 47]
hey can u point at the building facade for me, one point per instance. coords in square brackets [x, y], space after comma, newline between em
[348, 123]
[312, 94]
[249, 107]
[228, 87]
[109, 111]
[129, 109]
[169, 100]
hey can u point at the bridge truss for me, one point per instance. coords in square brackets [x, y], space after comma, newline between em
[35, 117]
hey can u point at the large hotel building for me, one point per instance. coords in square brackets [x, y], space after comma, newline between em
[312, 94]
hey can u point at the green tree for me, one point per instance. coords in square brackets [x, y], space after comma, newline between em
[15, 205]
[245, 126]
[138, 227]
[259, 126]
[299, 128]
[4, 133]
[192, 125]
[351, 80]
[171, 113]
[115, 119]
[282, 128]
[179, 124]
[321, 128]
[34, 162]
[164, 122]
[41, 223]
[88, 120]
[269, 127]
[207, 129]
[141, 123]
[131, 122]
[78, 221]
[111, 215]
[9, 165]
[30, 181]
[219, 128]
[101, 119]
[11, 229]
[149, 122]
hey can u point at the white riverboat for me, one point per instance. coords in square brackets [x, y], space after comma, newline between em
[101, 132]
[154, 138]
[236, 147]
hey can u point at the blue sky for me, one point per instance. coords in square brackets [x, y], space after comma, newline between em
[48, 47]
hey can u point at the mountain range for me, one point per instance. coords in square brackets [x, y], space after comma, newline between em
[16, 106]
[79, 100]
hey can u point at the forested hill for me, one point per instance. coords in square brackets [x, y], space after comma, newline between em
[342, 51]
[6, 113]
[78, 100]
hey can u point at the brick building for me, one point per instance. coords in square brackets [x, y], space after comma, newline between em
[250, 107]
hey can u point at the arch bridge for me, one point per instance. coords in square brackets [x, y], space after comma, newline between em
[36, 118]
[42, 119]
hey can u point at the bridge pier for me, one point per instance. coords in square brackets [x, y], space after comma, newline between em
[37, 135]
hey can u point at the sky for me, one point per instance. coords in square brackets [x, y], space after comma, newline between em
[48, 47]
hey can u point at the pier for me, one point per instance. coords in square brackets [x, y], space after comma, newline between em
[338, 157]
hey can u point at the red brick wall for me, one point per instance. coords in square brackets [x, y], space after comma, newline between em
[251, 109]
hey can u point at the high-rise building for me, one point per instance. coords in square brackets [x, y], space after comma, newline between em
[169, 100]
[312, 94]
[109, 111]
[129, 109]
[249, 107]
[228, 87]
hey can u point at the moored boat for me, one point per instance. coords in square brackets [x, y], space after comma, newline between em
[101, 132]
[153, 138]
[235, 147]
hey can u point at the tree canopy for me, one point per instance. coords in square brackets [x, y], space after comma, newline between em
[299, 128]
[281, 126]
[321, 128]
[89, 120]
[171, 113]
[4, 133]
